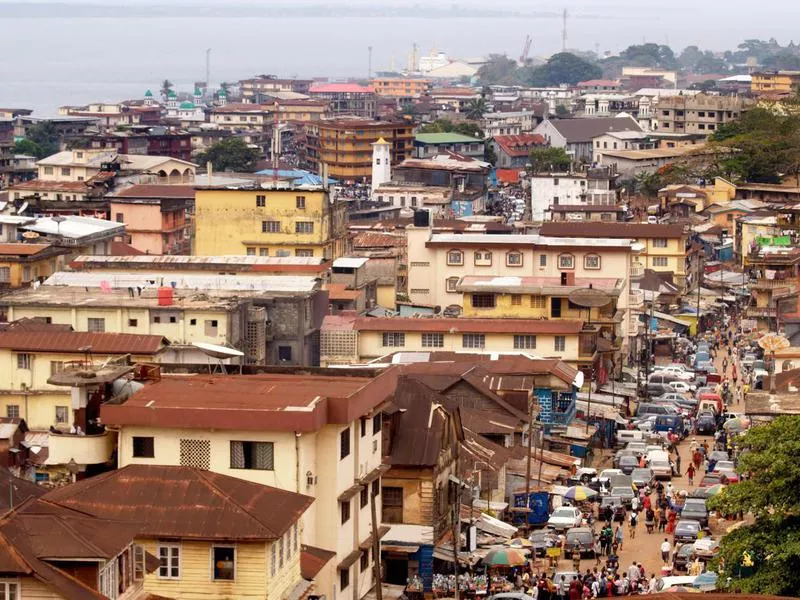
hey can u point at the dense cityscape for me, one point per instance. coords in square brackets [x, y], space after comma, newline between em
[512, 327]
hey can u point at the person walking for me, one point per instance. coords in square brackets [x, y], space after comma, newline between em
[666, 548]
[618, 536]
[633, 521]
[690, 474]
[597, 548]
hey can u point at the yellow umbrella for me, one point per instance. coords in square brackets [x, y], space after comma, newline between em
[519, 543]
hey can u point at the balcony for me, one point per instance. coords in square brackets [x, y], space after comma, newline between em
[771, 284]
[83, 449]
[635, 299]
[637, 270]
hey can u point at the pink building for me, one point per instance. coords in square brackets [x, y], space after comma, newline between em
[156, 217]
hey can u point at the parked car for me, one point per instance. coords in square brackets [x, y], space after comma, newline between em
[718, 455]
[682, 387]
[706, 423]
[662, 469]
[723, 465]
[748, 360]
[729, 475]
[646, 424]
[682, 557]
[680, 372]
[639, 447]
[700, 492]
[617, 507]
[624, 453]
[676, 397]
[642, 476]
[542, 540]
[686, 531]
[649, 408]
[695, 509]
[606, 474]
[706, 548]
[658, 389]
[627, 464]
[580, 539]
[565, 517]
[626, 493]
[710, 479]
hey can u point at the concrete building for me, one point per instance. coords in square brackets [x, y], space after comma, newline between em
[621, 140]
[351, 99]
[774, 82]
[513, 151]
[576, 135]
[401, 88]
[427, 145]
[279, 221]
[592, 187]
[701, 114]
[88, 165]
[315, 435]
[256, 89]
[381, 163]
[630, 163]
[509, 123]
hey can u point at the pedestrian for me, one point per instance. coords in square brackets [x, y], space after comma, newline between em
[677, 460]
[635, 504]
[632, 523]
[562, 588]
[618, 537]
[666, 547]
[690, 474]
[597, 548]
[652, 584]
[662, 519]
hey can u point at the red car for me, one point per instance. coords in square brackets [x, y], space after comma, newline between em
[731, 475]
[710, 479]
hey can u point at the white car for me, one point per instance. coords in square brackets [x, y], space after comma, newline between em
[681, 386]
[675, 372]
[565, 517]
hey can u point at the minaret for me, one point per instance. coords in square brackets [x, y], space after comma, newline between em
[381, 163]
[223, 97]
[148, 98]
[198, 96]
[172, 99]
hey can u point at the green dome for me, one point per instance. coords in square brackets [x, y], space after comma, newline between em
[172, 94]
[188, 105]
[197, 92]
[223, 93]
[148, 94]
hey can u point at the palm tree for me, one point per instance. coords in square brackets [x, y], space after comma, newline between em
[166, 87]
[476, 108]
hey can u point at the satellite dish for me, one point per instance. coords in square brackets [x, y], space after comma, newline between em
[589, 297]
[217, 351]
[578, 383]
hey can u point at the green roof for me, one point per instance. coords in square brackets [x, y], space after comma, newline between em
[172, 94]
[222, 93]
[187, 105]
[148, 94]
[197, 92]
[444, 138]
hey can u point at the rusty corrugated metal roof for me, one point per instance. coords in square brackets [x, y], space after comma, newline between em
[73, 341]
[312, 560]
[186, 503]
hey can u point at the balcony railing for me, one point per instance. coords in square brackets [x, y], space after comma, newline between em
[635, 299]
[83, 449]
[637, 269]
[771, 284]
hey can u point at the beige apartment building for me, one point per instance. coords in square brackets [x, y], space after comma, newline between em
[701, 114]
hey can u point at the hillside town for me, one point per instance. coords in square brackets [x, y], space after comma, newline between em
[504, 327]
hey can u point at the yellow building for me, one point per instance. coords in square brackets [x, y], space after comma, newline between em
[20, 264]
[345, 145]
[215, 537]
[774, 82]
[749, 229]
[401, 87]
[721, 191]
[83, 165]
[269, 222]
[315, 435]
[31, 354]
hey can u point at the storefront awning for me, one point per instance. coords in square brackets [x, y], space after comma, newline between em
[399, 548]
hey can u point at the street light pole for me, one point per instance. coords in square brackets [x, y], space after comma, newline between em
[699, 282]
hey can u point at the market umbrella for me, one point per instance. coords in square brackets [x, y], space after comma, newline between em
[715, 489]
[579, 493]
[519, 543]
[504, 557]
[706, 581]
[736, 424]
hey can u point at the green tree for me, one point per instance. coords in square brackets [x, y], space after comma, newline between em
[232, 154]
[498, 68]
[166, 88]
[476, 108]
[562, 112]
[769, 493]
[563, 67]
[650, 55]
[549, 159]
[43, 138]
[28, 148]
[447, 126]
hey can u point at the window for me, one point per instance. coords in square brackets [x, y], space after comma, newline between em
[344, 444]
[62, 414]
[363, 426]
[251, 252]
[393, 339]
[555, 308]
[364, 564]
[376, 424]
[483, 301]
[273, 559]
[729, 218]
[138, 562]
[455, 257]
[12, 411]
[120, 218]
[56, 366]
[591, 261]
[253, 455]
[524, 342]
[284, 353]
[24, 361]
[192, 321]
[473, 340]
[516, 300]
[270, 226]
[261, 201]
[65, 171]
[559, 343]
[376, 488]
[377, 161]
[392, 504]
[173, 319]
[195, 453]
[555, 180]
[305, 252]
[96, 325]
[660, 261]
[344, 578]
[263, 251]
[48, 170]
[566, 261]
[538, 301]
[514, 259]
[543, 260]
[133, 322]
[211, 327]
[432, 340]
[344, 511]
[304, 227]
[701, 126]
[659, 242]
[224, 562]
[451, 283]
[169, 559]
[483, 258]
[156, 319]
[144, 447]
[5, 274]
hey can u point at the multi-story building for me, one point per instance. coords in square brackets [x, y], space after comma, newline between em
[345, 145]
[574, 189]
[74, 235]
[509, 123]
[513, 151]
[155, 216]
[663, 248]
[454, 99]
[346, 98]
[697, 114]
[22, 263]
[576, 135]
[88, 165]
[774, 82]
[427, 145]
[315, 435]
[111, 115]
[621, 140]
[401, 88]
[155, 141]
[281, 221]
[258, 89]
[776, 270]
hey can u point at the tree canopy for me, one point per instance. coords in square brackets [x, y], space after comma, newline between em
[232, 154]
[769, 492]
[41, 139]
[563, 67]
[650, 55]
[498, 68]
[447, 126]
[549, 159]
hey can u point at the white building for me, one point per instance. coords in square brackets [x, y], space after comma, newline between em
[381, 163]
[592, 188]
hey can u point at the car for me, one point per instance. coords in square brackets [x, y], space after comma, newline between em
[646, 424]
[627, 464]
[749, 360]
[626, 493]
[567, 575]
[607, 474]
[657, 389]
[664, 583]
[639, 447]
[664, 377]
[565, 517]
[706, 548]
[542, 540]
[580, 539]
[662, 469]
[682, 374]
[706, 423]
[700, 492]
[625, 452]
[718, 455]
[686, 530]
[642, 476]
[510, 596]
[727, 475]
[695, 509]
[682, 387]
[618, 511]
[682, 557]
[710, 479]
[723, 465]
[676, 397]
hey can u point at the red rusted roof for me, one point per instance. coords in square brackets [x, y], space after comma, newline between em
[519, 145]
[185, 503]
[21, 249]
[378, 239]
[339, 291]
[72, 341]
[465, 325]
[123, 249]
[312, 560]
[510, 176]
[156, 191]
[43, 185]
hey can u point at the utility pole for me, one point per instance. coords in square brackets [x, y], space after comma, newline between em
[528, 467]
[699, 283]
[369, 63]
[564, 32]
[376, 548]
[457, 518]
[208, 71]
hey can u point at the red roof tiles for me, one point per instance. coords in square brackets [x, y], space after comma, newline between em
[73, 341]
[22, 249]
[509, 176]
[519, 145]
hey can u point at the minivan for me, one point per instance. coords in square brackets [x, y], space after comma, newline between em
[624, 436]
[669, 422]
[662, 377]
[646, 408]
